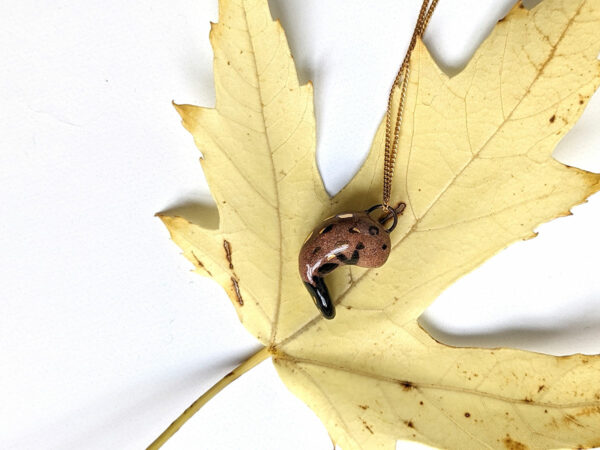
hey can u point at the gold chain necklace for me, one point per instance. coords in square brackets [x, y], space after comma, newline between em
[401, 81]
[355, 238]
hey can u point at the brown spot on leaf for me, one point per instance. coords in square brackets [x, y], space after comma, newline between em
[406, 385]
[467, 415]
[588, 411]
[238, 294]
[363, 406]
[541, 387]
[227, 247]
[367, 426]
[511, 444]
[553, 118]
[200, 264]
[409, 423]
[568, 418]
[527, 400]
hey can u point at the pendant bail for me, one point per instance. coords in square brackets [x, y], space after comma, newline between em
[388, 210]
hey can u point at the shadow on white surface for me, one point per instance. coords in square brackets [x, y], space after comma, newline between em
[121, 413]
[576, 331]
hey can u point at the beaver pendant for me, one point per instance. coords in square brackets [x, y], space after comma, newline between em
[348, 238]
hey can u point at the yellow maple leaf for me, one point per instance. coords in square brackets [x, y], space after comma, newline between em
[476, 171]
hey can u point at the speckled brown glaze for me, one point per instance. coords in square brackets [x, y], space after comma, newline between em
[346, 238]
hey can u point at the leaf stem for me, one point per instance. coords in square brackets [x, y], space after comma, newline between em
[244, 367]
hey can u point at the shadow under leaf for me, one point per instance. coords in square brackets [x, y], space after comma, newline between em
[205, 215]
[575, 333]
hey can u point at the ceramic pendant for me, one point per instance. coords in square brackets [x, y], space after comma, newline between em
[347, 238]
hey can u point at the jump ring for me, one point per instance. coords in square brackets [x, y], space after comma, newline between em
[392, 210]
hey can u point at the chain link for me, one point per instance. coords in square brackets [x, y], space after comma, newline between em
[392, 136]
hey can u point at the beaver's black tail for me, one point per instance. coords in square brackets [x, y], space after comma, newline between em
[321, 297]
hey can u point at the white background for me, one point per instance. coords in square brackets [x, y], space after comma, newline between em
[105, 335]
